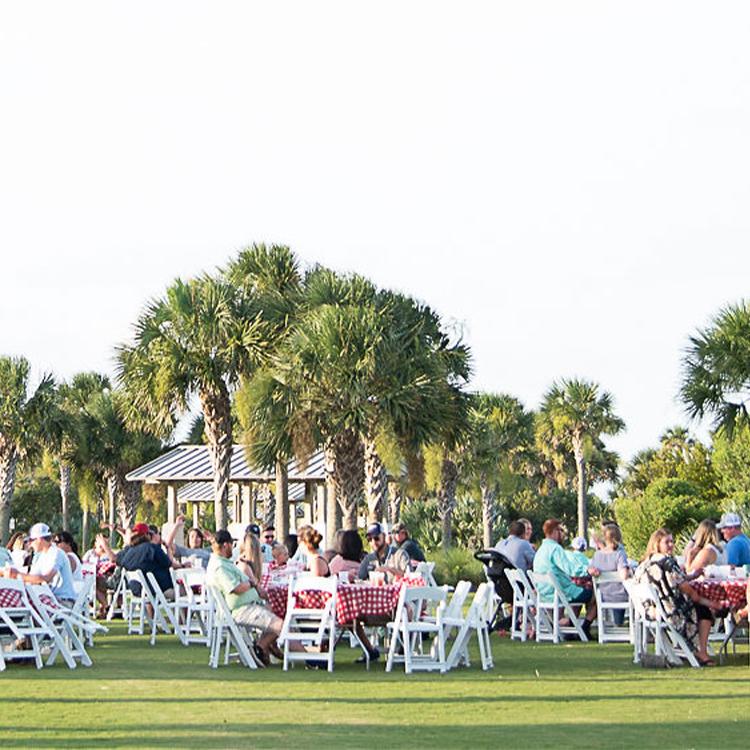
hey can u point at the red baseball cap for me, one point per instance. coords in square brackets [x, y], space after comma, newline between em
[141, 529]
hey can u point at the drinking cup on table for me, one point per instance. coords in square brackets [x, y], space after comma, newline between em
[343, 576]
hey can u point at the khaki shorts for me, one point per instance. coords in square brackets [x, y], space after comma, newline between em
[257, 616]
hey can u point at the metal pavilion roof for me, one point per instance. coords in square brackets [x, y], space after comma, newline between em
[203, 492]
[192, 463]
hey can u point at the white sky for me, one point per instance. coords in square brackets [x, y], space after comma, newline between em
[569, 180]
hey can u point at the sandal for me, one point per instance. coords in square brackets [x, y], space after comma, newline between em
[708, 662]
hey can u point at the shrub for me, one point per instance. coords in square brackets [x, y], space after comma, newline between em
[455, 565]
[673, 503]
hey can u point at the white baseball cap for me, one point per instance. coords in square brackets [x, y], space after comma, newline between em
[729, 519]
[39, 531]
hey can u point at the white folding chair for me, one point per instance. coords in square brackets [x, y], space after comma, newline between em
[649, 618]
[426, 571]
[135, 606]
[165, 614]
[410, 626]
[192, 605]
[607, 630]
[477, 620]
[310, 627]
[225, 632]
[523, 602]
[88, 573]
[25, 628]
[548, 627]
[119, 602]
[62, 626]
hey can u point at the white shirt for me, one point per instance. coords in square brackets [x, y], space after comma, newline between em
[55, 559]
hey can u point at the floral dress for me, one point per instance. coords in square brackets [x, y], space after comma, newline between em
[665, 576]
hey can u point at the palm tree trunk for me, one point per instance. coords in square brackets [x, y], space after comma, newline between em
[268, 503]
[446, 498]
[376, 483]
[114, 492]
[127, 503]
[333, 514]
[345, 466]
[489, 512]
[218, 418]
[281, 520]
[8, 465]
[65, 484]
[85, 529]
[583, 509]
[395, 498]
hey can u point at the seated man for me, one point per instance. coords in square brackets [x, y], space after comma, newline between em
[738, 545]
[516, 547]
[242, 598]
[552, 559]
[402, 540]
[393, 561]
[50, 565]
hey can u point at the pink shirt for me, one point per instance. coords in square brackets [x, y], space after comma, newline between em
[339, 565]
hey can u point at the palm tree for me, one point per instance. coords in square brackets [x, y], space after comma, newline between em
[500, 437]
[196, 340]
[24, 426]
[716, 370]
[575, 414]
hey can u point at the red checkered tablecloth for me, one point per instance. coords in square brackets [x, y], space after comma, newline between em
[354, 601]
[731, 593]
[9, 598]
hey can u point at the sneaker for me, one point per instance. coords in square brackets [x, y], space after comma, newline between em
[374, 656]
[261, 656]
[312, 664]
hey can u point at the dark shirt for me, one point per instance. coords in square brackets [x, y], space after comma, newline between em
[413, 550]
[149, 558]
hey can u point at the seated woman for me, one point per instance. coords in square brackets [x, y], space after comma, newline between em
[250, 562]
[687, 611]
[706, 548]
[349, 555]
[64, 540]
[310, 540]
[611, 557]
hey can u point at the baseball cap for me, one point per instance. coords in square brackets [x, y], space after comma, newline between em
[141, 529]
[729, 519]
[374, 529]
[579, 544]
[254, 528]
[39, 531]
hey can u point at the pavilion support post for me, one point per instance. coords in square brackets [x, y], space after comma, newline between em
[281, 520]
[246, 496]
[236, 506]
[319, 490]
[196, 515]
[171, 503]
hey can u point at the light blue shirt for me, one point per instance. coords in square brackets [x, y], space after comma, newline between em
[551, 558]
[54, 559]
[5, 558]
[518, 551]
[738, 550]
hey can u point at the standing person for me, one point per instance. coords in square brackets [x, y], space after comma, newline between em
[552, 559]
[50, 565]
[516, 547]
[738, 545]
[394, 562]
[403, 541]
[243, 599]
[687, 611]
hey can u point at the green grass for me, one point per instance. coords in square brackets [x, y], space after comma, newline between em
[581, 695]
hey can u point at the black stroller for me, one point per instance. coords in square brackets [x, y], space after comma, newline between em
[495, 564]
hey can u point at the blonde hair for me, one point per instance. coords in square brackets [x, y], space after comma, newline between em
[706, 534]
[653, 543]
[251, 553]
[279, 550]
[309, 537]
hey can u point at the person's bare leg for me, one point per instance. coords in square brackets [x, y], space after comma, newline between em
[704, 629]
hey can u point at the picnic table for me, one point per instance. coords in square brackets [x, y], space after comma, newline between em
[354, 601]
[729, 592]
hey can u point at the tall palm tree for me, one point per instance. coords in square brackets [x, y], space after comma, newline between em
[24, 426]
[500, 438]
[716, 370]
[197, 340]
[576, 414]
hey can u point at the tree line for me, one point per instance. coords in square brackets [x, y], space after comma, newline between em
[289, 360]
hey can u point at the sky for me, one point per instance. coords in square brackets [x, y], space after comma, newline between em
[567, 183]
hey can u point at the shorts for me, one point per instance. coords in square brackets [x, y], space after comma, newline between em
[582, 598]
[257, 616]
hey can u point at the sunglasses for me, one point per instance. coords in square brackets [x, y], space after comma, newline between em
[268, 536]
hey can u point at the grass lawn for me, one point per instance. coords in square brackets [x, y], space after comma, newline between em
[581, 695]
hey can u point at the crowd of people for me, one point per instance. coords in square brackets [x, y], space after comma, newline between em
[689, 613]
[235, 566]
